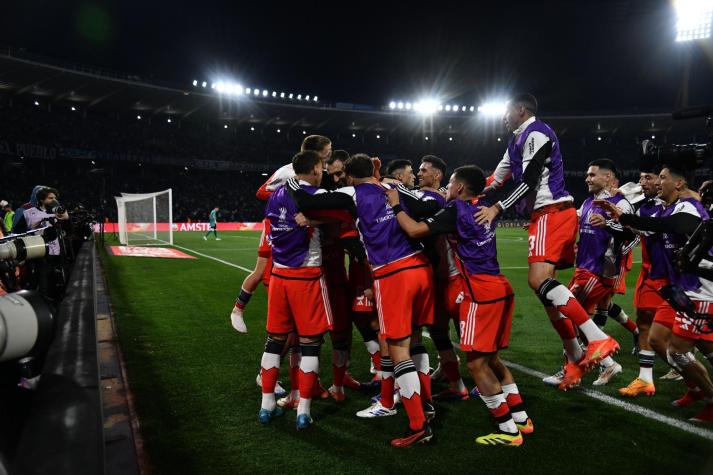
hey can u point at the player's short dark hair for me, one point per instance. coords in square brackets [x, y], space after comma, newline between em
[305, 161]
[359, 166]
[315, 143]
[341, 155]
[435, 162]
[473, 178]
[678, 170]
[397, 164]
[605, 164]
[43, 192]
[526, 100]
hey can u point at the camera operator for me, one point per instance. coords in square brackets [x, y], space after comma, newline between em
[48, 272]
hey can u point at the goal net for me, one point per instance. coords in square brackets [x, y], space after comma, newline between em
[145, 218]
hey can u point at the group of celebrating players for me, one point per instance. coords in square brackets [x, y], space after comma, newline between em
[422, 257]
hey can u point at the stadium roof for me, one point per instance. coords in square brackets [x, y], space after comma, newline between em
[24, 78]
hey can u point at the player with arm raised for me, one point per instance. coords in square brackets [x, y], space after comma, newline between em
[534, 162]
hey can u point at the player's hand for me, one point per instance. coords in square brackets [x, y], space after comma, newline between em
[392, 196]
[487, 215]
[377, 167]
[302, 220]
[368, 293]
[609, 207]
[597, 220]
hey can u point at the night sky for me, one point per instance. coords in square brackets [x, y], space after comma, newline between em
[579, 56]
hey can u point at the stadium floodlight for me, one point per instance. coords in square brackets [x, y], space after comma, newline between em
[37, 103]
[212, 85]
[304, 132]
[428, 106]
[195, 82]
[378, 136]
[278, 131]
[73, 108]
[392, 105]
[448, 107]
[282, 95]
[599, 139]
[225, 126]
[315, 99]
[168, 120]
[252, 129]
[493, 108]
[204, 84]
[426, 138]
[265, 93]
[138, 117]
[274, 94]
[408, 106]
[399, 105]
[307, 97]
[247, 90]
[653, 137]
[455, 108]
[256, 92]
[299, 97]
[450, 139]
[353, 135]
[472, 108]
[499, 139]
[462, 109]
[440, 107]
[291, 95]
[693, 19]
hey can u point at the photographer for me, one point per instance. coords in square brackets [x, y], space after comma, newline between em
[6, 217]
[48, 273]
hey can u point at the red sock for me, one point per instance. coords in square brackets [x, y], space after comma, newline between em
[269, 379]
[307, 382]
[451, 370]
[376, 359]
[565, 328]
[338, 373]
[414, 409]
[571, 308]
[387, 390]
[630, 325]
[425, 380]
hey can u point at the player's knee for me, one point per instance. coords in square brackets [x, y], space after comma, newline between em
[274, 344]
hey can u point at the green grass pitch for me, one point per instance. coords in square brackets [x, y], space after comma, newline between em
[193, 378]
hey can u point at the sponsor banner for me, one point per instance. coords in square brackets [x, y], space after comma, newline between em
[142, 251]
[148, 228]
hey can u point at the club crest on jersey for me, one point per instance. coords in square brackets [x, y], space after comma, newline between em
[283, 214]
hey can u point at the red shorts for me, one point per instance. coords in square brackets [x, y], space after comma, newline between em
[625, 267]
[297, 301]
[264, 249]
[267, 272]
[449, 294]
[486, 313]
[341, 307]
[590, 288]
[404, 296]
[552, 236]
[683, 325]
[646, 295]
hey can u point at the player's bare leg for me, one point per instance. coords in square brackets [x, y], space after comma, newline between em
[250, 284]
[681, 357]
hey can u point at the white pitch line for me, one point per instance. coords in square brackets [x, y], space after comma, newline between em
[214, 258]
[627, 406]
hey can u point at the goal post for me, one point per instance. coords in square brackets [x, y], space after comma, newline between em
[145, 218]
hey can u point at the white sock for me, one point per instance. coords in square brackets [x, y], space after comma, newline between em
[572, 350]
[372, 346]
[303, 406]
[268, 401]
[495, 401]
[607, 362]
[592, 331]
[518, 416]
[646, 373]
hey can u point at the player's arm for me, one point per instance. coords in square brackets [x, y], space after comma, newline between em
[339, 199]
[500, 175]
[538, 149]
[418, 204]
[444, 221]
